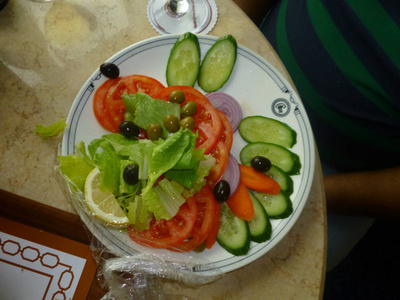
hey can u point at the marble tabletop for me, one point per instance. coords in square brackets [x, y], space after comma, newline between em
[48, 50]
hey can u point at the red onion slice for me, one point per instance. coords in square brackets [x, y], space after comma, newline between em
[228, 105]
[232, 173]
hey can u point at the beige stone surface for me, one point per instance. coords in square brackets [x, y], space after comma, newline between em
[47, 51]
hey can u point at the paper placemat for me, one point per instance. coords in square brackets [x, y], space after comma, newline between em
[39, 265]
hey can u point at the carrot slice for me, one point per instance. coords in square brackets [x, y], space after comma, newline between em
[258, 181]
[240, 203]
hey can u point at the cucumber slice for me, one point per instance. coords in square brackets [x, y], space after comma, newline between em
[279, 156]
[260, 227]
[277, 206]
[184, 61]
[262, 129]
[284, 180]
[218, 64]
[233, 234]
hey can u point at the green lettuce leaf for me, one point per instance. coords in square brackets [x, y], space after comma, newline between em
[190, 157]
[165, 199]
[186, 177]
[52, 130]
[77, 166]
[140, 154]
[138, 213]
[119, 142]
[144, 110]
[165, 156]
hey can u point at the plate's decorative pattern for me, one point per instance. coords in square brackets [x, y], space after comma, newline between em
[256, 85]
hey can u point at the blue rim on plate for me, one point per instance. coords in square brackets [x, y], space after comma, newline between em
[256, 85]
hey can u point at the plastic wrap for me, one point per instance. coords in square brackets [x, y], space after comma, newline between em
[130, 274]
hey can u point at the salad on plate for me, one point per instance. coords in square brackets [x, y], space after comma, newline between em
[164, 173]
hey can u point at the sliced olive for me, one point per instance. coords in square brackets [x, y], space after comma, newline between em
[177, 96]
[188, 109]
[154, 131]
[222, 191]
[129, 129]
[131, 174]
[109, 70]
[171, 122]
[261, 163]
[188, 123]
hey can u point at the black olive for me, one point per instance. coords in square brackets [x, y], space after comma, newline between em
[222, 191]
[131, 174]
[261, 163]
[129, 129]
[109, 70]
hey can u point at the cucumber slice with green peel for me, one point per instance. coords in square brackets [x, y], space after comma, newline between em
[283, 179]
[262, 129]
[260, 226]
[279, 156]
[277, 206]
[218, 64]
[184, 61]
[233, 234]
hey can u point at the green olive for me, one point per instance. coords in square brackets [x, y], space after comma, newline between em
[154, 131]
[171, 122]
[188, 109]
[177, 96]
[188, 123]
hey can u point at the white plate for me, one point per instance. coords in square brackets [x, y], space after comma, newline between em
[257, 86]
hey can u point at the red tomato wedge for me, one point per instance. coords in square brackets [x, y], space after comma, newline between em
[208, 122]
[143, 84]
[221, 154]
[99, 101]
[206, 211]
[258, 181]
[108, 106]
[168, 233]
[227, 132]
[212, 235]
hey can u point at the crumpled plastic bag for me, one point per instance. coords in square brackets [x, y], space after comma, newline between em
[141, 276]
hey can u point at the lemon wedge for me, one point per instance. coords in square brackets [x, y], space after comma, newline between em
[103, 204]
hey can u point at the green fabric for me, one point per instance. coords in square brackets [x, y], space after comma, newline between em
[387, 34]
[346, 60]
[314, 99]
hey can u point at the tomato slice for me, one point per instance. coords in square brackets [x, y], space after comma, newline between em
[206, 211]
[168, 233]
[108, 105]
[212, 235]
[143, 84]
[227, 132]
[113, 104]
[99, 100]
[221, 154]
[208, 122]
